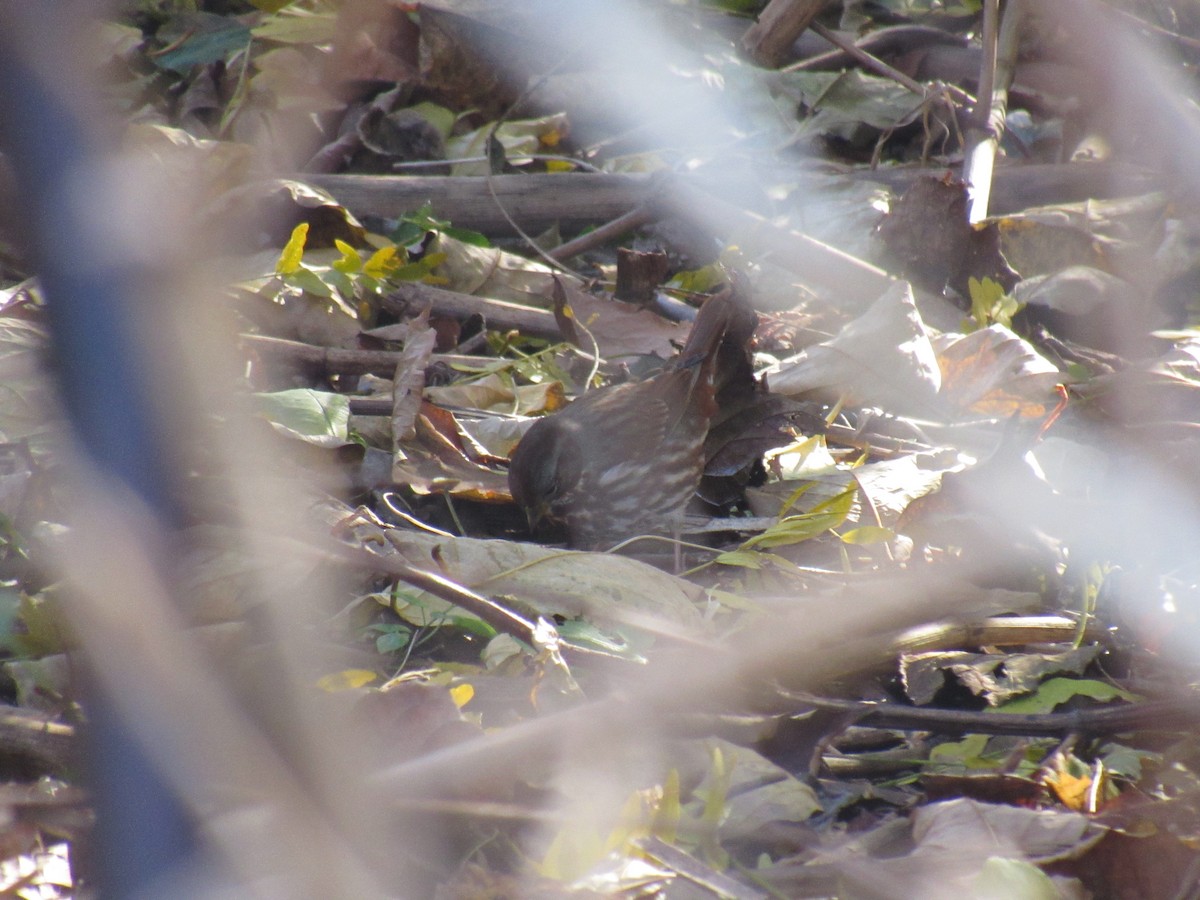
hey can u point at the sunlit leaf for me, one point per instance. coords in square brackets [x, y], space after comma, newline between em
[467, 236]
[747, 559]
[293, 251]
[867, 534]
[384, 261]
[1071, 789]
[1055, 691]
[308, 412]
[350, 260]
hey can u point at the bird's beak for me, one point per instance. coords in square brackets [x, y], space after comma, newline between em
[535, 515]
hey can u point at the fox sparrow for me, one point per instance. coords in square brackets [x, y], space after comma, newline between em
[624, 460]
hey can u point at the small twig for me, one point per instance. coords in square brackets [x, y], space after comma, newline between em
[639, 215]
[499, 617]
[874, 63]
[1168, 715]
[539, 157]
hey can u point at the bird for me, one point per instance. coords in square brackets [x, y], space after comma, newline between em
[624, 460]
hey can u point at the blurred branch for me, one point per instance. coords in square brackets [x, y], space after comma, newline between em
[988, 123]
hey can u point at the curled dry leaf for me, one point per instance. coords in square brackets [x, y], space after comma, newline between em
[408, 384]
[496, 394]
[442, 458]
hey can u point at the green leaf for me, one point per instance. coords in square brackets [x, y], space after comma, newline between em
[408, 234]
[308, 412]
[699, 280]
[1056, 691]
[467, 236]
[794, 529]
[969, 753]
[746, 559]
[11, 626]
[413, 227]
[586, 634]
[1126, 762]
[198, 39]
[990, 303]
[421, 269]
[310, 282]
[392, 638]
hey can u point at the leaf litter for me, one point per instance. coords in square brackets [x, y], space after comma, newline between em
[1016, 422]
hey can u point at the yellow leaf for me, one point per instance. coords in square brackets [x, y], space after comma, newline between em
[559, 165]
[867, 534]
[345, 680]
[669, 813]
[293, 252]
[382, 262]
[350, 261]
[462, 694]
[1071, 791]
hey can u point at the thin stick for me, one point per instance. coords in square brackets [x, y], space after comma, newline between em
[874, 63]
[614, 228]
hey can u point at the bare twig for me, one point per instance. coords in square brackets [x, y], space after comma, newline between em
[614, 228]
[874, 63]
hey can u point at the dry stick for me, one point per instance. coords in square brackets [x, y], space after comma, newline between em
[499, 617]
[778, 26]
[537, 200]
[500, 314]
[336, 361]
[983, 137]
[614, 228]
[582, 164]
[37, 740]
[874, 63]
[581, 199]
[1176, 714]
